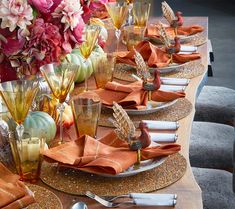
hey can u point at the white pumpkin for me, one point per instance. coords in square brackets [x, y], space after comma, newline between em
[86, 67]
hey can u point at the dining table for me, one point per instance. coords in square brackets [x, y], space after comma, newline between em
[188, 192]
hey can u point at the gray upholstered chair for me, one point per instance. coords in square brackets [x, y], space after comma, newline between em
[216, 104]
[216, 186]
[211, 145]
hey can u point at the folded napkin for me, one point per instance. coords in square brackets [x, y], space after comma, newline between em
[153, 31]
[163, 137]
[154, 56]
[161, 125]
[132, 96]
[13, 193]
[109, 155]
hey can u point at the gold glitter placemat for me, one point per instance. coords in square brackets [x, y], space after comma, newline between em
[76, 182]
[190, 70]
[175, 112]
[45, 199]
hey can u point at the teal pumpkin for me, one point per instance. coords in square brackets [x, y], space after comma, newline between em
[39, 124]
[86, 67]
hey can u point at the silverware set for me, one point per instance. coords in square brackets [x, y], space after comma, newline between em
[138, 199]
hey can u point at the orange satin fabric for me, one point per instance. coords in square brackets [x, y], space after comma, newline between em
[133, 96]
[108, 155]
[154, 56]
[13, 193]
[153, 32]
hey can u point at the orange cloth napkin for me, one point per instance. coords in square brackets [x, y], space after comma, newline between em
[109, 155]
[133, 96]
[13, 193]
[154, 56]
[153, 32]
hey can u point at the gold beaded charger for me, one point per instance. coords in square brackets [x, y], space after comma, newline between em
[45, 199]
[76, 182]
[189, 70]
[175, 112]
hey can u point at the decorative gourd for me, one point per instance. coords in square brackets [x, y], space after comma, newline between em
[38, 124]
[49, 105]
[86, 67]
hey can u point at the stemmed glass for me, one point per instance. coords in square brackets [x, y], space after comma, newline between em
[18, 97]
[60, 78]
[141, 12]
[130, 3]
[118, 13]
[88, 45]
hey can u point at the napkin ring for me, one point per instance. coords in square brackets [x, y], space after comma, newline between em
[136, 145]
[149, 87]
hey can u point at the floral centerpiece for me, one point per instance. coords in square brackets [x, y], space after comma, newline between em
[38, 32]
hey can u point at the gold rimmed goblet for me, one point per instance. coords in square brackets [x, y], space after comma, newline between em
[118, 13]
[18, 97]
[141, 12]
[88, 45]
[60, 78]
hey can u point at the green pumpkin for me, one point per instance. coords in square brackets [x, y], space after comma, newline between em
[37, 123]
[87, 67]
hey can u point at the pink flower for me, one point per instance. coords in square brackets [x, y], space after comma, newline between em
[97, 4]
[70, 12]
[42, 6]
[15, 13]
[44, 43]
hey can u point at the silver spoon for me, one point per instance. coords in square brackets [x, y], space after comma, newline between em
[79, 205]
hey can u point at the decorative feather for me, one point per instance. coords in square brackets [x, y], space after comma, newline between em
[142, 69]
[125, 128]
[168, 13]
[165, 38]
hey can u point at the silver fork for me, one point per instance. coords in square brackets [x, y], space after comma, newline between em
[106, 203]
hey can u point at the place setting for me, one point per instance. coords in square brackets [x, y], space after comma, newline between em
[78, 121]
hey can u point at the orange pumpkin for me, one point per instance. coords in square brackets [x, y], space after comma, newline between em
[49, 104]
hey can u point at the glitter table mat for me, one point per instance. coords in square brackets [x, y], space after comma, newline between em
[45, 199]
[76, 182]
[175, 112]
[190, 70]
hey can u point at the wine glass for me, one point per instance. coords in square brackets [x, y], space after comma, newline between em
[60, 78]
[130, 3]
[18, 97]
[141, 12]
[118, 13]
[88, 45]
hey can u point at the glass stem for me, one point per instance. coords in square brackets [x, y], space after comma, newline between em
[86, 76]
[20, 131]
[118, 34]
[129, 14]
[61, 108]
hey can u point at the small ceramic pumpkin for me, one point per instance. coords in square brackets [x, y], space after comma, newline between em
[49, 104]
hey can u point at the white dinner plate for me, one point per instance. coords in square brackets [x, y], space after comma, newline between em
[150, 108]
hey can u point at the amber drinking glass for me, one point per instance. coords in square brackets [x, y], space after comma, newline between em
[88, 45]
[141, 12]
[60, 77]
[27, 156]
[118, 13]
[18, 97]
[103, 72]
[86, 111]
[133, 36]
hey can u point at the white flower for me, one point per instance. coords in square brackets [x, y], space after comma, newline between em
[70, 12]
[15, 13]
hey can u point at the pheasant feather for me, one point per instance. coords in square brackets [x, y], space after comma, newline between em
[165, 38]
[142, 68]
[168, 13]
[125, 128]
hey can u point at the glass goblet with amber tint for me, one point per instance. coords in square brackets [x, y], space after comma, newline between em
[88, 45]
[60, 77]
[118, 13]
[18, 97]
